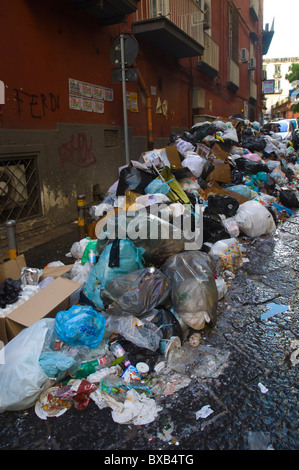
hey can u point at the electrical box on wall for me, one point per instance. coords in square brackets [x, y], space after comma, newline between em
[198, 98]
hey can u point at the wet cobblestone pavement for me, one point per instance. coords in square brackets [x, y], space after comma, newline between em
[254, 399]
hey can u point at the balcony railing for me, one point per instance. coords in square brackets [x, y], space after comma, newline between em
[186, 16]
[209, 61]
[233, 80]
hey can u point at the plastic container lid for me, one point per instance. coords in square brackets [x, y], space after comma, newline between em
[142, 367]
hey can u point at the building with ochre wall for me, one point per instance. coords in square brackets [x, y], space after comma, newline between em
[62, 129]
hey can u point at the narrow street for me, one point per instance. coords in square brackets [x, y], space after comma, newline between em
[249, 384]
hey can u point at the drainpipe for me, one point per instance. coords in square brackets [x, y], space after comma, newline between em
[150, 141]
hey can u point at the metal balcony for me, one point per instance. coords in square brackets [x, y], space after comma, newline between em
[209, 61]
[176, 27]
[107, 11]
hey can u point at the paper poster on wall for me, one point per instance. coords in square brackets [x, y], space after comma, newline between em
[98, 93]
[74, 87]
[88, 97]
[108, 94]
[75, 102]
[86, 90]
[98, 106]
[87, 105]
[133, 102]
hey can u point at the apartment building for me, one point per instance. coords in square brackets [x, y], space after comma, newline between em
[278, 88]
[86, 83]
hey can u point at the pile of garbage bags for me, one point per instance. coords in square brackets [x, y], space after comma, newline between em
[152, 270]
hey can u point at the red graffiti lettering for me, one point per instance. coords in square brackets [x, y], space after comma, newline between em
[78, 152]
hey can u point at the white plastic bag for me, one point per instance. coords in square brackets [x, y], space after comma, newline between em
[194, 163]
[254, 219]
[228, 253]
[22, 378]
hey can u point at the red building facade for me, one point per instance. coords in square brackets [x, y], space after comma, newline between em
[61, 108]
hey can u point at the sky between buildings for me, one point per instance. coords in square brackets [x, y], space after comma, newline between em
[285, 42]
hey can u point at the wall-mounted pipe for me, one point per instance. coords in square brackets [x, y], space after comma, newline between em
[150, 141]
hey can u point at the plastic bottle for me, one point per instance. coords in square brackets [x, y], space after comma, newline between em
[92, 257]
[90, 367]
[118, 351]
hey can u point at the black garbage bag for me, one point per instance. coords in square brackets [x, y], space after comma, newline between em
[213, 229]
[9, 292]
[188, 137]
[133, 179]
[249, 167]
[222, 204]
[253, 143]
[236, 177]
[202, 131]
[207, 169]
[288, 199]
[269, 185]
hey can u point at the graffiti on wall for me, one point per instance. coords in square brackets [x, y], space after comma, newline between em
[38, 105]
[77, 151]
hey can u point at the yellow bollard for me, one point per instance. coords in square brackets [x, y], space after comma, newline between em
[81, 215]
[11, 239]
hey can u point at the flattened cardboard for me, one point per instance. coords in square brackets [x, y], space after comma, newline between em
[173, 156]
[221, 172]
[219, 152]
[12, 268]
[46, 303]
[214, 188]
[55, 271]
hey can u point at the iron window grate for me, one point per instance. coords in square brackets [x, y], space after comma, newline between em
[19, 188]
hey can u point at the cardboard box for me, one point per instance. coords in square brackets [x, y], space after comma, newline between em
[214, 188]
[46, 303]
[221, 172]
[168, 156]
[55, 271]
[12, 268]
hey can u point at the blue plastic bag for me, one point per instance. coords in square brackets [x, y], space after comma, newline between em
[119, 258]
[55, 363]
[80, 325]
[157, 186]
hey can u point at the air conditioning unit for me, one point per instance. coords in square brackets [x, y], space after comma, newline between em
[264, 74]
[252, 63]
[244, 55]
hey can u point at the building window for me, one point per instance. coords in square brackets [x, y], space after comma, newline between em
[19, 188]
[277, 86]
[233, 32]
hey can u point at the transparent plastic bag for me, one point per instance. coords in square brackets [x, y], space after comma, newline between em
[142, 334]
[194, 292]
[136, 293]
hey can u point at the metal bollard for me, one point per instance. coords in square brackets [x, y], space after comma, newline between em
[11, 229]
[81, 215]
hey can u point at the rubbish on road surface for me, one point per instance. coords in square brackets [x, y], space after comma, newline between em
[204, 412]
[127, 318]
